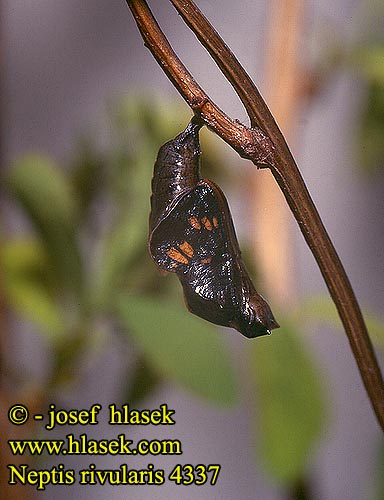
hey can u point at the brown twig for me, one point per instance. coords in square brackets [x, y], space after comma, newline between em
[266, 146]
[250, 143]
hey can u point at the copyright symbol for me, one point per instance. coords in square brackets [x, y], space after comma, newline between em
[18, 414]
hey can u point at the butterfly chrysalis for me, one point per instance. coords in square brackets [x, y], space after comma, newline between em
[191, 233]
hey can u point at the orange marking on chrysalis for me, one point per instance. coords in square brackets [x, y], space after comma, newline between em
[215, 222]
[207, 260]
[186, 248]
[207, 223]
[194, 222]
[177, 256]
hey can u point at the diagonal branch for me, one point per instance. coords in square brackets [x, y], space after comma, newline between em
[265, 145]
[236, 75]
[223, 56]
[250, 143]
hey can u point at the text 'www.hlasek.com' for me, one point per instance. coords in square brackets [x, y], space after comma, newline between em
[82, 444]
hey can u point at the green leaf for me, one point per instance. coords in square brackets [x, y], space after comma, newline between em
[87, 176]
[147, 117]
[179, 346]
[370, 61]
[126, 237]
[23, 264]
[130, 180]
[321, 309]
[119, 249]
[37, 306]
[45, 194]
[142, 383]
[372, 128]
[24, 258]
[379, 476]
[289, 400]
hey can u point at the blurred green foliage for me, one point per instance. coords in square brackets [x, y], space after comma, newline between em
[46, 196]
[379, 479]
[369, 62]
[86, 260]
[88, 252]
[356, 48]
[186, 350]
[367, 58]
[292, 413]
[362, 55]
[321, 310]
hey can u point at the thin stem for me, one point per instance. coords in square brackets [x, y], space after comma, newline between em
[250, 143]
[266, 146]
[236, 75]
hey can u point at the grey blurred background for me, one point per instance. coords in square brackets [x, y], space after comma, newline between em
[62, 62]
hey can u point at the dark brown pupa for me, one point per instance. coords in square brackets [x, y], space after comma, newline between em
[191, 233]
